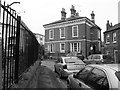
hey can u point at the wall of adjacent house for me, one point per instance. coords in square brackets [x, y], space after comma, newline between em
[119, 12]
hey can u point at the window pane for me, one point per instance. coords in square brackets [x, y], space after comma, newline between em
[62, 32]
[62, 46]
[83, 73]
[98, 80]
[75, 31]
[75, 47]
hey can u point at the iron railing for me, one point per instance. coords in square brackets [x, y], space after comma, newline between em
[19, 47]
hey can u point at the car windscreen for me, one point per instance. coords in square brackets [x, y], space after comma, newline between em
[107, 57]
[96, 57]
[118, 75]
[73, 60]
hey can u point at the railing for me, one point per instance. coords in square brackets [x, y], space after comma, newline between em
[19, 47]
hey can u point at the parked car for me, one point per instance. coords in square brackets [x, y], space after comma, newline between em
[98, 58]
[96, 77]
[64, 66]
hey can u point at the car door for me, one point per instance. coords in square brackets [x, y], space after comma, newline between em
[59, 65]
[80, 79]
[97, 80]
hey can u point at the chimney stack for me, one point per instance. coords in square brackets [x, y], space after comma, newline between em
[77, 14]
[63, 14]
[93, 17]
[73, 11]
[108, 25]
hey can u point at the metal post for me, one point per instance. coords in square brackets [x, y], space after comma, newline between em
[0, 52]
[17, 49]
[85, 40]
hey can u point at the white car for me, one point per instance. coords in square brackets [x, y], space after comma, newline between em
[96, 77]
[98, 59]
[65, 66]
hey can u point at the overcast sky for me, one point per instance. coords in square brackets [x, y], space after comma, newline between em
[36, 13]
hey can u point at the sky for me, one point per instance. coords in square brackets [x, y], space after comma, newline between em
[36, 13]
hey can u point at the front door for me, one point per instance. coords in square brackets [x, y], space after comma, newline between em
[116, 56]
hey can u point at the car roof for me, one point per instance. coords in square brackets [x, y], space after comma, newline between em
[115, 67]
[68, 57]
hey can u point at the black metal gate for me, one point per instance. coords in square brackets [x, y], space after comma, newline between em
[19, 47]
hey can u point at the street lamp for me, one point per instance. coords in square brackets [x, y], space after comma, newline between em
[91, 47]
[12, 4]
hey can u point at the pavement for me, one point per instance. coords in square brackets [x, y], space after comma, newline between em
[39, 76]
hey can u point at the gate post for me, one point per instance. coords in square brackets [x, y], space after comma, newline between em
[0, 62]
[0, 50]
[17, 49]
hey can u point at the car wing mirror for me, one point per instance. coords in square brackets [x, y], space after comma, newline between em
[56, 61]
[75, 75]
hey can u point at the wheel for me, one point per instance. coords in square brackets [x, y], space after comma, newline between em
[68, 86]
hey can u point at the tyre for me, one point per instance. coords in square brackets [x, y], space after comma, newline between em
[55, 70]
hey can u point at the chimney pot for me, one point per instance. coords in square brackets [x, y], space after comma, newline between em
[63, 14]
[93, 17]
[73, 11]
[108, 25]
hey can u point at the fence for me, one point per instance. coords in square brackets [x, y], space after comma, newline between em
[19, 47]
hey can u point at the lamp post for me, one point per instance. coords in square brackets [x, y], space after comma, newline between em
[12, 4]
[91, 47]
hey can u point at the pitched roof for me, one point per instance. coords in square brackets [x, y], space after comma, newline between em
[70, 19]
[115, 27]
[67, 19]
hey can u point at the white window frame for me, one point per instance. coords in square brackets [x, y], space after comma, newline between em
[107, 37]
[98, 34]
[78, 47]
[62, 28]
[49, 48]
[73, 31]
[114, 36]
[62, 51]
[50, 34]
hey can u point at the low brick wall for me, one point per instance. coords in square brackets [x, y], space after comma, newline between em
[27, 76]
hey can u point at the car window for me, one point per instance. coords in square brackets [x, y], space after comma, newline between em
[74, 60]
[89, 57]
[107, 57]
[61, 60]
[118, 75]
[96, 57]
[82, 75]
[98, 80]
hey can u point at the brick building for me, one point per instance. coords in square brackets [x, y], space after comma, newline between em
[40, 38]
[112, 42]
[75, 34]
